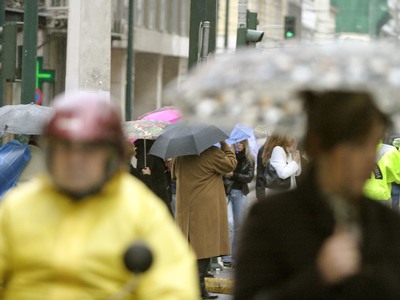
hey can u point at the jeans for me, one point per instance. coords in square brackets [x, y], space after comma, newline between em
[237, 209]
[173, 203]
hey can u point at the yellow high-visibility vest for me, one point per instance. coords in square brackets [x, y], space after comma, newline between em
[386, 171]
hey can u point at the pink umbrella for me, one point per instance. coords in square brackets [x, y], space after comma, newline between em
[166, 113]
[143, 129]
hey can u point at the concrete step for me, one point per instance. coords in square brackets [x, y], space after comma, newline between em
[219, 285]
[222, 283]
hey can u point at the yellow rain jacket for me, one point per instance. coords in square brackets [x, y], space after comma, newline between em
[52, 247]
[387, 170]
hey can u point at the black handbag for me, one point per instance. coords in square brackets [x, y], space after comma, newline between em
[228, 183]
[273, 181]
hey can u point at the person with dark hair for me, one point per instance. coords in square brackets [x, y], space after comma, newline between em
[325, 240]
[237, 194]
[64, 235]
[153, 171]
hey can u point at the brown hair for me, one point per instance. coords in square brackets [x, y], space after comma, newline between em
[274, 140]
[247, 151]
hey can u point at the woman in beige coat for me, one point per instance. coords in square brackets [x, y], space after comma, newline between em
[201, 210]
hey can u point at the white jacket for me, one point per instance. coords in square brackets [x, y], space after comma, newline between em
[284, 165]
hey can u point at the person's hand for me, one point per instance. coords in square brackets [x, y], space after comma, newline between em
[224, 143]
[229, 175]
[296, 156]
[146, 171]
[339, 257]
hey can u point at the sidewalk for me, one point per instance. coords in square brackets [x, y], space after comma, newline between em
[222, 283]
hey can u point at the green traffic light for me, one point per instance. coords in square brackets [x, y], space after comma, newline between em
[289, 34]
[289, 27]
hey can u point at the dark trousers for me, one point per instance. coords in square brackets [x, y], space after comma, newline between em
[203, 265]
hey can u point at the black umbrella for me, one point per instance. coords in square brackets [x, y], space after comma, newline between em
[186, 138]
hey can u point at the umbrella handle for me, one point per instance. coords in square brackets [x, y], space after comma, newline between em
[145, 154]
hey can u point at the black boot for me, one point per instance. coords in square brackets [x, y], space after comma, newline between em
[209, 274]
[205, 294]
[203, 265]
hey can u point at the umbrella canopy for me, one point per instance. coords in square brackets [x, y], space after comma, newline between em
[24, 118]
[239, 133]
[253, 144]
[186, 138]
[253, 87]
[166, 113]
[143, 129]
[14, 156]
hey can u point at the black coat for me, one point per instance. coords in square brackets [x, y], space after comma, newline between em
[243, 173]
[160, 179]
[260, 178]
[282, 236]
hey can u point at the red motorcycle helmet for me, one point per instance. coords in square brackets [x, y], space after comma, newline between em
[87, 117]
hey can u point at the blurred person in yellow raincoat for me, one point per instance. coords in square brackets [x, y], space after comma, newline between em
[63, 235]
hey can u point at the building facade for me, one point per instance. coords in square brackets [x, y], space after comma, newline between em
[315, 21]
[160, 44]
[161, 38]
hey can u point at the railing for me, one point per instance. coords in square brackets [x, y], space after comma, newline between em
[169, 16]
[56, 12]
[19, 4]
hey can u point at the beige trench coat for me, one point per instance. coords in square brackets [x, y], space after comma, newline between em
[201, 210]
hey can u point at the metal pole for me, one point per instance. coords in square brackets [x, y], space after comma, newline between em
[129, 63]
[205, 36]
[242, 23]
[29, 52]
[201, 10]
[196, 16]
[226, 24]
[242, 14]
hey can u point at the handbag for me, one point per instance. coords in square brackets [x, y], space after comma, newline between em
[273, 181]
[228, 183]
